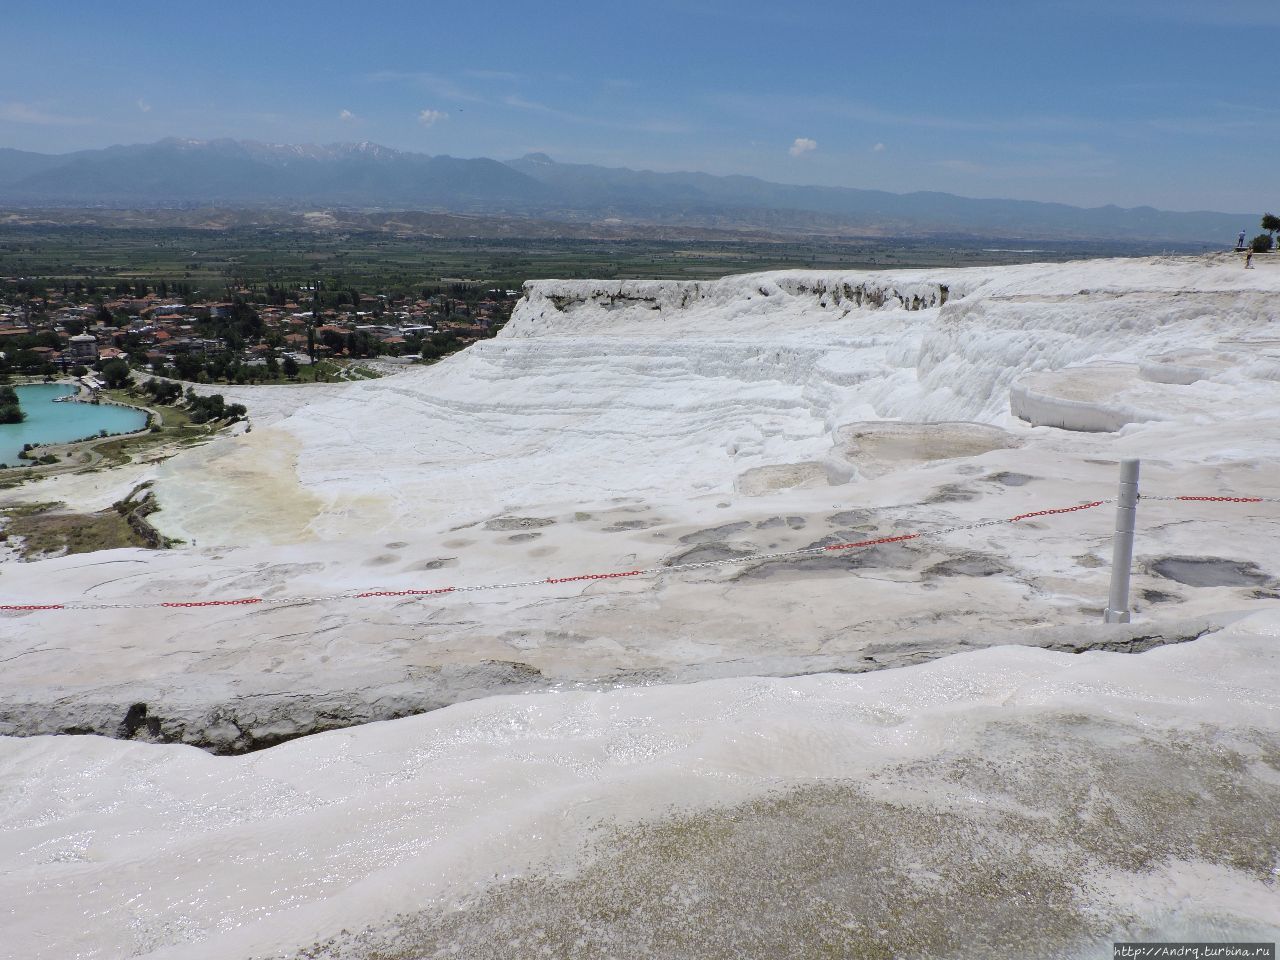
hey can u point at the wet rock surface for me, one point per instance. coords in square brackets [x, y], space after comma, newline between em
[951, 493]
[1009, 478]
[239, 715]
[704, 552]
[775, 523]
[879, 447]
[624, 525]
[517, 523]
[232, 715]
[852, 519]
[968, 565]
[713, 534]
[892, 556]
[1210, 572]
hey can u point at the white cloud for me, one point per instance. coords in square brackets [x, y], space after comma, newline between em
[429, 117]
[144, 106]
[500, 75]
[346, 116]
[437, 86]
[14, 112]
[878, 148]
[802, 146]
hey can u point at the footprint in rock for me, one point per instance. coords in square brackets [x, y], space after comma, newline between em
[517, 523]
[439, 564]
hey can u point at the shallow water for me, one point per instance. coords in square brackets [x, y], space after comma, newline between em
[49, 422]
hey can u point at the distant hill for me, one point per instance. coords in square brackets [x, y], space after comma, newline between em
[366, 176]
[231, 172]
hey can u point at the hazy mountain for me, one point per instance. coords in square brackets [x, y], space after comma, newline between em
[229, 172]
[640, 192]
[176, 173]
[17, 164]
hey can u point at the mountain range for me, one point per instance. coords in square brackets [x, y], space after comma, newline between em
[367, 176]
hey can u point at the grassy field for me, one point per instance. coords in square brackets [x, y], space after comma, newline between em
[209, 261]
[169, 425]
[46, 529]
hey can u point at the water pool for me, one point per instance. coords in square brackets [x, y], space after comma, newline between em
[49, 422]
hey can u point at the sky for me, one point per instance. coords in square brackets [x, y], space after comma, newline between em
[1171, 103]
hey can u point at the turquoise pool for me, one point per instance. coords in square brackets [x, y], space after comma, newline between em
[49, 422]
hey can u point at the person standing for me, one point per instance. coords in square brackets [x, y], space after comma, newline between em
[1248, 260]
[1240, 241]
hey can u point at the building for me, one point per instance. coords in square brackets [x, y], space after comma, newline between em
[82, 348]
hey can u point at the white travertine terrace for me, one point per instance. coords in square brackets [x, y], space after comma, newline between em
[615, 425]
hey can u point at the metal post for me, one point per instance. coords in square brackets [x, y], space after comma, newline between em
[1122, 551]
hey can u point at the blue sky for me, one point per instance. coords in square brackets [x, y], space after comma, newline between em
[1172, 103]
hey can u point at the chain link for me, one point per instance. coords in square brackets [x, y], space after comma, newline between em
[617, 575]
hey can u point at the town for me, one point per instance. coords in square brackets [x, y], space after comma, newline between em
[247, 334]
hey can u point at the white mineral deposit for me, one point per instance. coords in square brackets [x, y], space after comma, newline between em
[615, 766]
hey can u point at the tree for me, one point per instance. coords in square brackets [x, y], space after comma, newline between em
[334, 340]
[115, 373]
[1270, 223]
[189, 366]
[1261, 243]
[10, 411]
[204, 409]
[162, 391]
[26, 360]
[290, 367]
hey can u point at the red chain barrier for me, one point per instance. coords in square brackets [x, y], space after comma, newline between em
[27, 607]
[594, 576]
[872, 543]
[404, 593]
[215, 603]
[1047, 513]
[1223, 499]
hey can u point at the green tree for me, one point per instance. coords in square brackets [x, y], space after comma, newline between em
[26, 360]
[1270, 223]
[290, 367]
[334, 340]
[189, 366]
[10, 411]
[204, 409]
[1261, 243]
[116, 374]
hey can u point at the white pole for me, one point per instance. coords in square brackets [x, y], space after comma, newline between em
[1122, 550]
